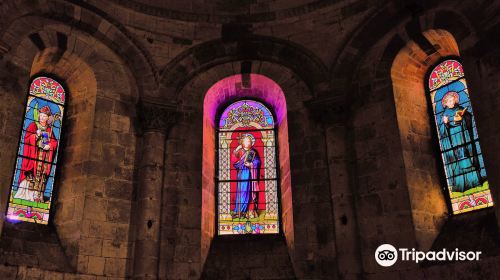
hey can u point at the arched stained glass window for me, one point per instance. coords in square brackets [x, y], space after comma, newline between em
[459, 142]
[247, 175]
[33, 180]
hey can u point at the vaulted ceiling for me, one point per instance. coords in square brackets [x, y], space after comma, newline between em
[227, 10]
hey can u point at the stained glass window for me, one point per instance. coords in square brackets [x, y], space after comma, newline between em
[459, 142]
[247, 175]
[33, 181]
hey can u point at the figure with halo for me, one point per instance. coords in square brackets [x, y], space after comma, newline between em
[459, 148]
[39, 147]
[248, 166]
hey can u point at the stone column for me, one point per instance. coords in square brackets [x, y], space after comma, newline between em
[156, 121]
[332, 114]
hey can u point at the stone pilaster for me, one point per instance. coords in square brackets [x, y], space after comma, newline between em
[328, 111]
[156, 121]
[332, 113]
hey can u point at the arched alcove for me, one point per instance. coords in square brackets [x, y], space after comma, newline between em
[231, 89]
[421, 155]
[92, 209]
[189, 181]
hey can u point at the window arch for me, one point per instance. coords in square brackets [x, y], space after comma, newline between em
[32, 186]
[458, 138]
[247, 181]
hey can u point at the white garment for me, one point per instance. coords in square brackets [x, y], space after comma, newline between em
[23, 192]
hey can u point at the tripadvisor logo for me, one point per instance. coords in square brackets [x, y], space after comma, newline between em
[387, 255]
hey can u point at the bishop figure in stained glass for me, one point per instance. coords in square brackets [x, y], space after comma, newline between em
[39, 147]
[30, 197]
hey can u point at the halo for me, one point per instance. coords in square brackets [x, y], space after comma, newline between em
[452, 93]
[248, 135]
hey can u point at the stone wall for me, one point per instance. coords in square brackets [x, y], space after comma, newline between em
[423, 171]
[12, 96]
[89, 231]
[135, 193]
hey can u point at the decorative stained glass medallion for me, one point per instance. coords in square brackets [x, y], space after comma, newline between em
[445, 73]
[33, 180]
[247, 176]
[459, 142]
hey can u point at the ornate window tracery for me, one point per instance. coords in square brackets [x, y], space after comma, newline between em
[32, 186]
[247, 181]
[458, 138]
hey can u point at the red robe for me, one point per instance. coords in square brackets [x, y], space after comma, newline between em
[32, 153]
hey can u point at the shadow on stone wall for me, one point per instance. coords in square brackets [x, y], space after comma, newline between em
[32, 245]
[248, 257]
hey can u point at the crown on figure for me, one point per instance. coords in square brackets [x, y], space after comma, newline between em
[45, 110]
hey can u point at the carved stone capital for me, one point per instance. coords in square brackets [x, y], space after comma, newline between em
[328, 110]
[157, 117]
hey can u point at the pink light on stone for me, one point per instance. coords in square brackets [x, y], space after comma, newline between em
[230, 89]
[13, 219]
[217, 98]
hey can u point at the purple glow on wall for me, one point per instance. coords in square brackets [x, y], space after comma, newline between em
[230, 88]
[246, 112]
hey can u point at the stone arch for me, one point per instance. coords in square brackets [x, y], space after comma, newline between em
[446, 45]
[447, 33]
[270, 92]
[420, 156]
[265, 15]
[99, 123]
[183, 191]
[363, 69]
[27, 16]
[346, 64]
[411, 22]
[255, 48]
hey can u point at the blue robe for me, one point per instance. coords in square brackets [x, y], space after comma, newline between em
[459, 151]
[247, 189]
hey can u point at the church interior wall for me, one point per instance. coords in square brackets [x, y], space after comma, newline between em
[134, 196]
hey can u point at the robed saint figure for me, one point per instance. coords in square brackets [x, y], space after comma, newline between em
[39, 147]
[459, 148]
[248, 166]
